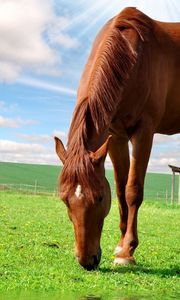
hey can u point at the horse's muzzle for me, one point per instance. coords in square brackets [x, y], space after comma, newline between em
[90, 263]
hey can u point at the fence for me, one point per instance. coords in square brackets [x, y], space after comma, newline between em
[163, 196]
[35, 189]
[158, 196]
[28, 188]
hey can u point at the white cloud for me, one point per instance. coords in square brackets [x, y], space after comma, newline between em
[60, 134]
[34, 138]
[9, 71]
[165, 139]
[42, 138]
[23, 26]
[65, 40]
[57, 35]
[14, 147]
[159, 161]
[27, 153]
[161, 165]
[46, 85]
[165, 152]
[15, 123]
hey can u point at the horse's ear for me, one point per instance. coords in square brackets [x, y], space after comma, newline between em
[60, 150]
[100, 154]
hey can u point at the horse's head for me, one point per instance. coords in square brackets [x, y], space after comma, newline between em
[87, 206]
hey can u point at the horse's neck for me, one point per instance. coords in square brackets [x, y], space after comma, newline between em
[83, 134]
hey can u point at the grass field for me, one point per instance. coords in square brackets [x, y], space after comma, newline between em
[37, 252]
[28, 173]
[156, 185]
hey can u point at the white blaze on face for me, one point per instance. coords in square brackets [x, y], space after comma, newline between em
[78, 191]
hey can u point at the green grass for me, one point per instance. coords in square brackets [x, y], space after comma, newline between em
[37, 252]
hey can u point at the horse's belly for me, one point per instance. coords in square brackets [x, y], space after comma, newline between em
[170, 122]
[169, 127]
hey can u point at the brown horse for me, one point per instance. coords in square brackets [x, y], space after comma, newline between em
[129, 90]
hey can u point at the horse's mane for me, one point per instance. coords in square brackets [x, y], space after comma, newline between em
[114, 62]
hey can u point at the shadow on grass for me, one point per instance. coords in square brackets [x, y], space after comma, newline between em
[163, 273]
[113, 297]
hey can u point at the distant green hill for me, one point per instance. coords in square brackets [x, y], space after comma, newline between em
[43, 175]
[156, 185]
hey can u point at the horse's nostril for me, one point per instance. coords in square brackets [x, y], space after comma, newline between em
[90, 267]
[97, 258]
[90, 263]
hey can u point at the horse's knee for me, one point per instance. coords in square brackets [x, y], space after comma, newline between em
[134, 195]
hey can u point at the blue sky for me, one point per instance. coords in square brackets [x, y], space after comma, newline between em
[44, 46]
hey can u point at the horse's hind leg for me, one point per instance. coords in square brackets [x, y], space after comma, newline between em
[119, 153]
[142, 143]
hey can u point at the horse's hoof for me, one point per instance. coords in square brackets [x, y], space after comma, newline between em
[124, 261]
[117, 250]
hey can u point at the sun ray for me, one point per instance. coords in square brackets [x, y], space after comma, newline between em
[94, 21]
[85, 15]
[172, 9]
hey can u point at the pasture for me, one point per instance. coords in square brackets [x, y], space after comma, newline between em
[37, 252]
[157, 186]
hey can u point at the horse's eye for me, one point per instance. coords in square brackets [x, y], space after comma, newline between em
[100, 199]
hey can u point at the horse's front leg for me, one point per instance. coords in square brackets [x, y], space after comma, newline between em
[119, 154]
[141, 143]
